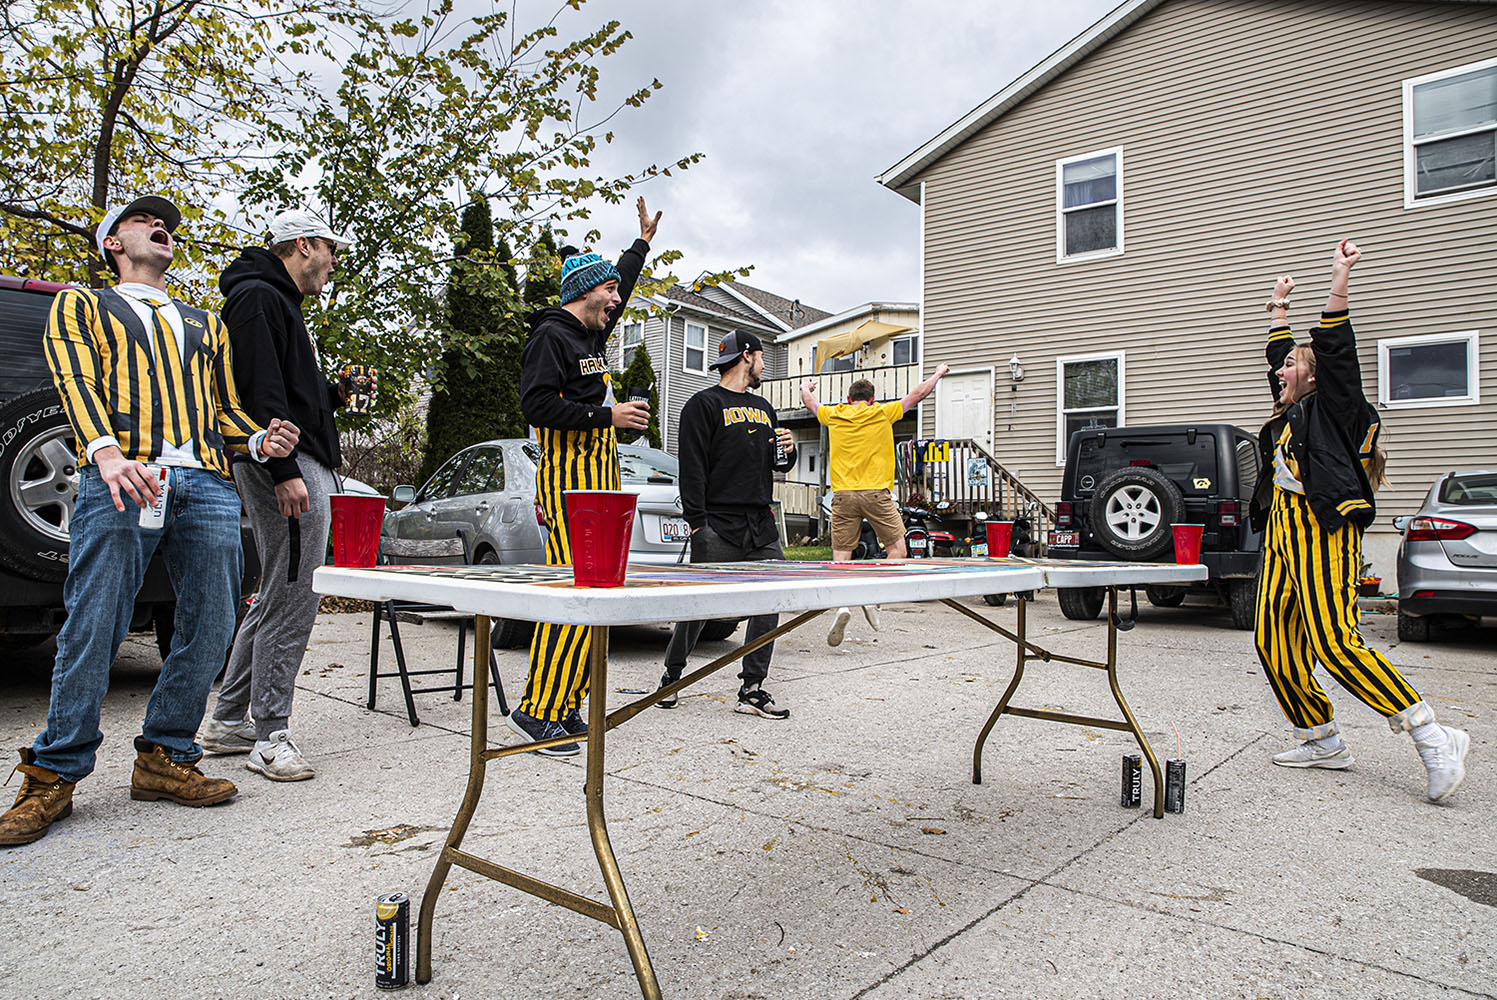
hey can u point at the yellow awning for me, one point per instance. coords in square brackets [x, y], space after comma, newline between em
[849, 341]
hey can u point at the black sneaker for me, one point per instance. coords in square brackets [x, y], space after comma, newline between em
[758, 702]
[669, 701]
[572, 723]
[534, 729]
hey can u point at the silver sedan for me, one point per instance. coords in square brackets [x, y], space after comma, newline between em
[1447, 562]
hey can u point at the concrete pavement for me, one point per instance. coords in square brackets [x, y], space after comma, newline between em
[843, 854]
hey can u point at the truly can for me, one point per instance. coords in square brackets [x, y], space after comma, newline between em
[392, 941]
[1174, 786]
[154, 516]
[1133, 780]
[779, 449]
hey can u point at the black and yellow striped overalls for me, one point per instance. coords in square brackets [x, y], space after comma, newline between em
[570, 460]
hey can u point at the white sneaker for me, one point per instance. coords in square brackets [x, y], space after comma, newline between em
[278, 759]
[1445, 762]
[227, 737]
[839, 627]
[870, 611]
[1312, 754]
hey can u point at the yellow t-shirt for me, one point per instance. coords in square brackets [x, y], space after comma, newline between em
[862, 441]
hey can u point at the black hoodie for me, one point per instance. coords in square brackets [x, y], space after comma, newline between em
[276, 369]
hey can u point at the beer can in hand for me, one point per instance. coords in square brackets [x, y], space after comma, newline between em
[154, 516]
[392, 941]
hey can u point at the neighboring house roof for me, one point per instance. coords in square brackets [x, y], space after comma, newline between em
[786, 313]
[866, 309]
[900, 177]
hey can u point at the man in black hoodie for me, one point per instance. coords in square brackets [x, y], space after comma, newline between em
[567, 396]
[277, 369]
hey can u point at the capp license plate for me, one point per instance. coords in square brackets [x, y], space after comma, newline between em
[674, 531]
[1065, 538]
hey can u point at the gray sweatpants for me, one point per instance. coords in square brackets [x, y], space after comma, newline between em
[267, 653]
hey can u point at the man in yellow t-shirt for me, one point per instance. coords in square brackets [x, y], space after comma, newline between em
[861, 470]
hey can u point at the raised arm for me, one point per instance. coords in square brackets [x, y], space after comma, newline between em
[924, 388]
[808, 395]
[1280, 336]
[1346, 254]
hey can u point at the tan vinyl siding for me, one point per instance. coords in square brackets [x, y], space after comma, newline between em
[1253, 135]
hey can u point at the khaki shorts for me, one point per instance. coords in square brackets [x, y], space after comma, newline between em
[850, 507]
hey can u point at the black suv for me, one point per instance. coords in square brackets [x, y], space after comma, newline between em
[39, 483]
[1124, 487]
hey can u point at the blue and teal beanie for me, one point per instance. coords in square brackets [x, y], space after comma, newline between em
[582, 272]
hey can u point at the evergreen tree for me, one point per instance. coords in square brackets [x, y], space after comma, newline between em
[543, 273]
[640, 372]
[478, 396]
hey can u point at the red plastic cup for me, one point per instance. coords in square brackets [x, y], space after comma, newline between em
[599, 523]
[1000, 538]
[356, 524]
[1188, 542]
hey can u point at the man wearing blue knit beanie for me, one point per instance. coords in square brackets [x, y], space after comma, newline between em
[567, 396]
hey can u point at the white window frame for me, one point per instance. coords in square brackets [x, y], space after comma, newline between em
[914, 340]
[1061, 257]
[686, 346]
[1060, 395]
[626, 349]
[1473, 371]
[1409, 162]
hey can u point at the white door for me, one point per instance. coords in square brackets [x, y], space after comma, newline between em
[964, 407]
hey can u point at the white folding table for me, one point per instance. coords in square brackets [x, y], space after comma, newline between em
[654, 594]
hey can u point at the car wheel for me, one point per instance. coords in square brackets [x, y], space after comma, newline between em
[1132, 511]
[1242, 597]
[995, 600]
[1165, 597]
[716, 631]
[1413, 628]
[1081, 604]
[505, 633]
[39, 472]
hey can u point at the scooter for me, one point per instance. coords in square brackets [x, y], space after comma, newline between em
[920, 539]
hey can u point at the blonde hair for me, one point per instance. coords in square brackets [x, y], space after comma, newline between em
[1377, 464]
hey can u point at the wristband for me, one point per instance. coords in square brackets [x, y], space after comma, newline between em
[1277, 304]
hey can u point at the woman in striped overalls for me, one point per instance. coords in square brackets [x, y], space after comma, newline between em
[1321, 462]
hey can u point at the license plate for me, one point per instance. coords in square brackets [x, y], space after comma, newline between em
[674, 531]
[917, 545]
[1065, 538]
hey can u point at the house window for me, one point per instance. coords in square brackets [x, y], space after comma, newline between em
[1089, 206]
[846, 363]
[1433, 370]
[633, 336]
[905, 351]
[696, 348]
[1450, 134]
[1089, 393]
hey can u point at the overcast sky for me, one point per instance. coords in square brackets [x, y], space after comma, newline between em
[799, 105]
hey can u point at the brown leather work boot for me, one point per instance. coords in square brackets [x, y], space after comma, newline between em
[157, 776]
[44, 798]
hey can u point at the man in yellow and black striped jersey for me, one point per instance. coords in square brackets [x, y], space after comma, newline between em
[146, 384]
[567, 396]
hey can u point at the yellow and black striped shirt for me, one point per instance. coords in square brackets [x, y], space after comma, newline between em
[112, 382]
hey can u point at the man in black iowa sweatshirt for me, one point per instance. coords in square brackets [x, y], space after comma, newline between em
[566, 395]
[731, 445]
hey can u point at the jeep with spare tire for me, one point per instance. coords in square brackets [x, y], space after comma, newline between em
[1125, 488]
[39, 484]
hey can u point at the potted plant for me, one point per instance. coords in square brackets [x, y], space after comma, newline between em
[1367, 584]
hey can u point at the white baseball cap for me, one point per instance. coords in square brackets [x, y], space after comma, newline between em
[169, 214]
[299, 222]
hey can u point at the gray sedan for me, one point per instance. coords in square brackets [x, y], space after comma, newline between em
[1447, 562]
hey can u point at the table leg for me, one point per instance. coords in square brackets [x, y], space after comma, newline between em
[476, 766]
[1013, 686]
[597, 824]
[1117, 696]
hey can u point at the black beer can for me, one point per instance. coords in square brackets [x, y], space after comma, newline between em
[1174, 786]
[1133, 779]
[392, 941]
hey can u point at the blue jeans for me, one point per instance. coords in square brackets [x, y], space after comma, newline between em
[107, 559]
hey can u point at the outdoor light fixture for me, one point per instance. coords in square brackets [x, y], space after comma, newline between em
[1015, 370]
